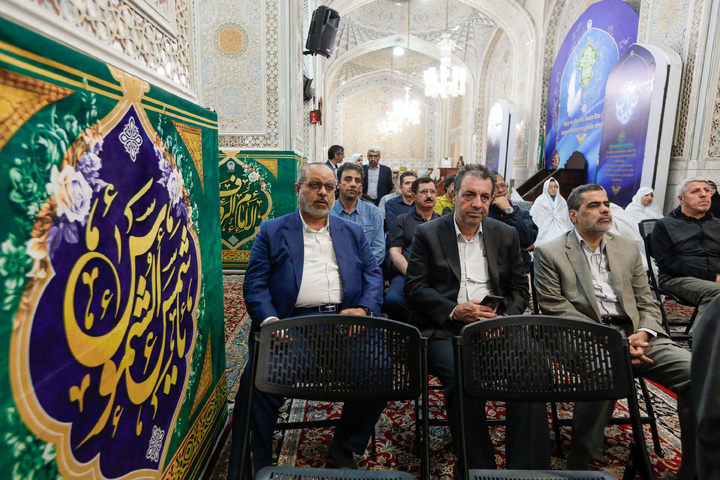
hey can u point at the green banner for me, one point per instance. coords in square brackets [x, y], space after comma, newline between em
[113, 354]
[254, 186]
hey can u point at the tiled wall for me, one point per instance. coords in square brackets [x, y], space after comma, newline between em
[240, 70]
[153, 37]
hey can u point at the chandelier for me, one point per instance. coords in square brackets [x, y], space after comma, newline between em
[449, 81]
[407, 111]
[391, 124]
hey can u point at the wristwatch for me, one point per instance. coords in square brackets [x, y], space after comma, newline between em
[509, 210]
[368, 312]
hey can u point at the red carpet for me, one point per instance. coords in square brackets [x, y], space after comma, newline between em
[396, 439]
[396, 444]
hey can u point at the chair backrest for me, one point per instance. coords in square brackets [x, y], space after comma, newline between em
[544, 359]
[298, 473]
[340, 358]
[538, 475]
[646, 227]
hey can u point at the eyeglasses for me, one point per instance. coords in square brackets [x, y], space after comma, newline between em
[316, 186]
[501, 186]
[426, 192]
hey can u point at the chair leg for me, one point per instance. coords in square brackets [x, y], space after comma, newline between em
[651, 415]
[556, 430]
[665, 323]
[418, 419]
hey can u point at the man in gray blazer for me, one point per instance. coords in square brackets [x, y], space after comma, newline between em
[455, 261]
[594, 275]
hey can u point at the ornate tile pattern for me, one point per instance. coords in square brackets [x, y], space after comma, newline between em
[257, 87]
[714, 136]
[688, 89]
[116, 23]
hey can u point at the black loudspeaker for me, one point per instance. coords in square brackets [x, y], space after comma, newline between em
[321, 37]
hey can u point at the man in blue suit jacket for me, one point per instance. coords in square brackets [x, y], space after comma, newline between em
[307, 263]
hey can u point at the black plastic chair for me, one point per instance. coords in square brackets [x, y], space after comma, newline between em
[339, 358]
[650, 420]
[549, 359]
[646, 228]
[298, 473]
[537, 475]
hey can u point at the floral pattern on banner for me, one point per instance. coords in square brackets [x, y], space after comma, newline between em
[120, 294]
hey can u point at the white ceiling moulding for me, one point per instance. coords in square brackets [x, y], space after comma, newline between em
[48, 24]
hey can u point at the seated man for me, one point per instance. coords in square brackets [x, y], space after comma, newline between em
[593, 275]
[350, 207]
[686, 246]
[446, 204]
[403, 203]
[455, 261]
[502, 209]
[389, 196]
[400, 240]
[295, 269]
[706, 383]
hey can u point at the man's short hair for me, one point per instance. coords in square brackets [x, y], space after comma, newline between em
[574, 201]
[349, 166]
[404, 175]
[374, 149]
[420, 181]
[430, 169]
[335, 150]
[682, 186]
[449, 181]
[474, 170]
[302, 172]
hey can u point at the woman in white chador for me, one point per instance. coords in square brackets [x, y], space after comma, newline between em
[550, 213]
[643, 206]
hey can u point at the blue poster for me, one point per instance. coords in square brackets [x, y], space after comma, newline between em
[626, 115]
[593, 46]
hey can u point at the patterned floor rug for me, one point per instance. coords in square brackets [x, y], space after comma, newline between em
[395, 440]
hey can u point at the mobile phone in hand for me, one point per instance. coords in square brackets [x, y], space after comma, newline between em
[492, 301]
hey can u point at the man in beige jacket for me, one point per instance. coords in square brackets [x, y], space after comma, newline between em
[593, 275]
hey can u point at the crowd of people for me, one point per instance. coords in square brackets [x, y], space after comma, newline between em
[360, 244]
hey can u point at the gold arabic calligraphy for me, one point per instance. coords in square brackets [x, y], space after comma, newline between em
[155, 294]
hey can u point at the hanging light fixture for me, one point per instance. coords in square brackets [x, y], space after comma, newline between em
[408, 111]
[391, 124]
[449, 81]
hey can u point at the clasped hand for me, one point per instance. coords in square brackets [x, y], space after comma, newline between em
[638, 343]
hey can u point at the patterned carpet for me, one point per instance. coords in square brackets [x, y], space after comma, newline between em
[395, 440]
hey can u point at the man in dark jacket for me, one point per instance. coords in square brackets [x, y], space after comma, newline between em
[377, 179]
[455, 261]
[502, 209]
[686, 246]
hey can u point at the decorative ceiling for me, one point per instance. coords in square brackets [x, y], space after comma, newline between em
[361, 44]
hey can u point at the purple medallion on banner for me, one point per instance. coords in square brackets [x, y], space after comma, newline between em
[116, 314]
[577, 84]
[625, 124]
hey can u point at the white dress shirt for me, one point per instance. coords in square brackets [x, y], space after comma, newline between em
[474, 276]
[321, 283]
[373, 177]
[607, 299]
